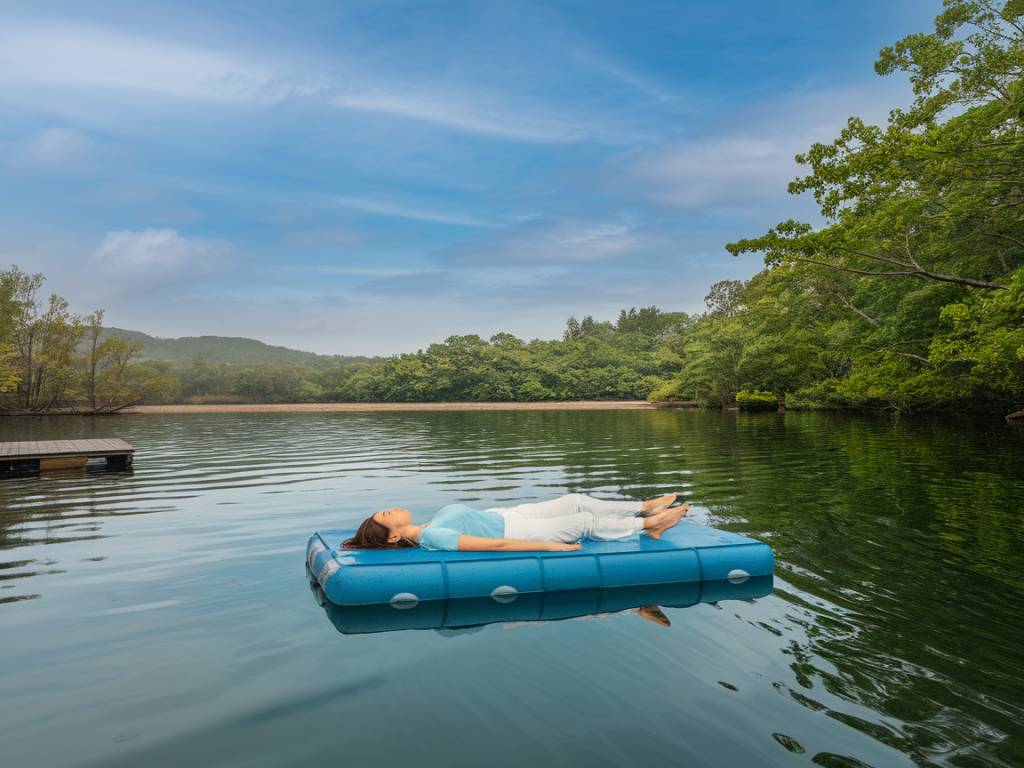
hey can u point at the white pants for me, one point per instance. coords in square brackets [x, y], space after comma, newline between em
[571, 518]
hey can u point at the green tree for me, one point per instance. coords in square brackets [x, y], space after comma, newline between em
[45, 335]
[106, 363]
[724, 298]
[923, 233]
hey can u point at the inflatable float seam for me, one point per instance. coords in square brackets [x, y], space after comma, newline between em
[445, 579]
[481, 596]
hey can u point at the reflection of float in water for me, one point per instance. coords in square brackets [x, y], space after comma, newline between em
[534, 607]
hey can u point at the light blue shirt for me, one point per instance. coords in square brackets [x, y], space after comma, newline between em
[456, 519]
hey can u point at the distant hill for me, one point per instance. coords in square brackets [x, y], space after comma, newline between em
[230, 350]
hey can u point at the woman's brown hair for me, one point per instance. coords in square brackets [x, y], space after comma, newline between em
[373, 535]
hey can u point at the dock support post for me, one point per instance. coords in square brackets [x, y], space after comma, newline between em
[124, 461]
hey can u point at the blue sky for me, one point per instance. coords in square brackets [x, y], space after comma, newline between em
[361, 178]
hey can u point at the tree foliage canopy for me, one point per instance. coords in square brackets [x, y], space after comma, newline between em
[917, 267]
[51, 358]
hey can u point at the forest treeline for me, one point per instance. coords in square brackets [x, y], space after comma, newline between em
[909, 295]
[53, 359]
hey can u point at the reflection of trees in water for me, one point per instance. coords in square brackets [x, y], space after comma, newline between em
[901, 544]
[633, 449]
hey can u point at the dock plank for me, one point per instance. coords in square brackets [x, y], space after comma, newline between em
[40, 449]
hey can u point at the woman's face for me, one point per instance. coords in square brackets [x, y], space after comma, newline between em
[393, 518]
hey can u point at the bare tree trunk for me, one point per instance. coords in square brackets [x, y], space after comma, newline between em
[95, 326]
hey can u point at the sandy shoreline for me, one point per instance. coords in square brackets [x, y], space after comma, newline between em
[581, 405]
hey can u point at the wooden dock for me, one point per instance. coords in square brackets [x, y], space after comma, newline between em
[64, 454]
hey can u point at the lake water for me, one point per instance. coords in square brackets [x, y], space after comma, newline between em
[163, 617]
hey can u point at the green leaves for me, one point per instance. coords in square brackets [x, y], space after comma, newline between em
[923, 234]
[985, 336]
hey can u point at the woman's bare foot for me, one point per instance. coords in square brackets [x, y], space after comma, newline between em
[655, 614]
[663, 519]
[650, 506]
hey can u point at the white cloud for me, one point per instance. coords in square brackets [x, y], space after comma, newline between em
[82, 58]
[53, 149]
[154, 258]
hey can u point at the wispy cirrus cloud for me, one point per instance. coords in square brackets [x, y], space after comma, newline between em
[751, 158]
[88, 57]
[325, 237]
[732, 170]
[400, 211]
[469, 113]
[82, 57]
[548, 241]
[634, 80]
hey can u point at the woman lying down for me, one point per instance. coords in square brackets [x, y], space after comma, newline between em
[547, 526]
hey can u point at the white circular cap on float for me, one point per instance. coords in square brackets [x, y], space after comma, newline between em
[403, 601]
[737, 576]
[504, 594]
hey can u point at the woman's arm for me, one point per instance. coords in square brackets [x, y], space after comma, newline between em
[487, 544]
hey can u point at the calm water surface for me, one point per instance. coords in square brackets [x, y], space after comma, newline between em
[163, 618]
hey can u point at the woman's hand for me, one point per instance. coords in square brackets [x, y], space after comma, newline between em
[557, 546]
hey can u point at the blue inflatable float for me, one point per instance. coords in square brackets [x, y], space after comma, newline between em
[469, 612]
[402, 578]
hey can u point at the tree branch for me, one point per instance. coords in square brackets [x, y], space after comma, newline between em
[876, 257]
[912, 356]
[853, 271]
[849, 304]
[1004, 237]
[923, 273]
[910, 254]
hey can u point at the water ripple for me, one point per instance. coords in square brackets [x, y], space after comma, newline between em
[167, 598]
